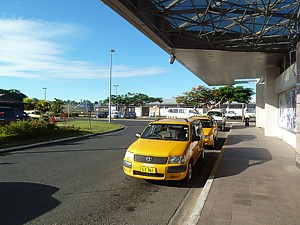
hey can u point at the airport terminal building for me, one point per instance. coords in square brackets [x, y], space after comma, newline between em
[224, 41]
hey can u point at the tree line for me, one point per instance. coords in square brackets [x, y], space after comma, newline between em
[200, 96]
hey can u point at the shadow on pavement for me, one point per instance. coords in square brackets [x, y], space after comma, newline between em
[236, 139]
[237, 160]
[23, 202]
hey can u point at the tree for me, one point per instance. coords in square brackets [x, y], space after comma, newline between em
[210, 98]
[29, 103]
[131, 99]
[16, 94]
[43, 105]
[57, 106]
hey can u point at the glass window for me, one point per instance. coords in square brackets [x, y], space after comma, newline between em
[166, 132]
[214, 113]
[206, 123]
[287, 110]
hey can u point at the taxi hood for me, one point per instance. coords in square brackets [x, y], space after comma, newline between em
[161, 148]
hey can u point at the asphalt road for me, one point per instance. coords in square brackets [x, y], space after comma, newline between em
[82, 182]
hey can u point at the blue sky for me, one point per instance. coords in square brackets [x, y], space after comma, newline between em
[64, 46]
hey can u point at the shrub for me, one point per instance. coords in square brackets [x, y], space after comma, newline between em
[29, 129]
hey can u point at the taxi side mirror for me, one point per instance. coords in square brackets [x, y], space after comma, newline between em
[138, 135]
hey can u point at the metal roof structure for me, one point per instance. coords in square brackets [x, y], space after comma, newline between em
[218, 40]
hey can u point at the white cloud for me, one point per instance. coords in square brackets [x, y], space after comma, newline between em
[35, 50]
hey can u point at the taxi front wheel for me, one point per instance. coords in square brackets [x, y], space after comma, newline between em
[189, 173]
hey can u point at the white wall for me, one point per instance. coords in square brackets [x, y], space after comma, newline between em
[138, 111]
[288, 137]
[271, 102]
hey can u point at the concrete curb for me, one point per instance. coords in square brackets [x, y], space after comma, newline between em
[4, 150]
[200, 202]
[193, 219]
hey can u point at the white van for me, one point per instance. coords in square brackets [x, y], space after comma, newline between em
[182, 113]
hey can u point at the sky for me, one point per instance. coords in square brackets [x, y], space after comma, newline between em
[61, 49]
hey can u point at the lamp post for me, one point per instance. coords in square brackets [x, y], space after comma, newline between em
[110, 72]
[116, 86]
[45, 93]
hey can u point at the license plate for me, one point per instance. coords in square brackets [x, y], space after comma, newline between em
[148, 169]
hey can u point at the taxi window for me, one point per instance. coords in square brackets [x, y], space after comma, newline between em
[206, 123]
[198, 128]
[174, 132]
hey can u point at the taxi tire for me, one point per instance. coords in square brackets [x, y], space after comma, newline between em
[189, 174]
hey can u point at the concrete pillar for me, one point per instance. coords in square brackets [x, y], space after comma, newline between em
[297, 152]
[260, 106]
[271, 102]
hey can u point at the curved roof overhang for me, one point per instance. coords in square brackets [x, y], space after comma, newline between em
[218, 40]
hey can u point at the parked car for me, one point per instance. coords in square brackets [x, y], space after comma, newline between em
[219, 117]
[130, 115]
[8, 114]
[210, 129]
[115, 114]
[103, 114]
[230, 114]
[36, 115]
[167, 149]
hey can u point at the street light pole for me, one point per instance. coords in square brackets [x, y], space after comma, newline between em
[45, 93]
[116, 86]
[110, 72]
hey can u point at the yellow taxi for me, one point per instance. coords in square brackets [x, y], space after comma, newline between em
[210, 129]
[167, 149]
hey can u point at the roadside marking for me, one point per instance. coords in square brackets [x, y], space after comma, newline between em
[194, 217]
[196, 213]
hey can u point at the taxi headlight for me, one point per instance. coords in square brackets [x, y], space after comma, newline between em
[177, 159]
[129, 155]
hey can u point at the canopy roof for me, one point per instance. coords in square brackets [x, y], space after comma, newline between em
[211, 37]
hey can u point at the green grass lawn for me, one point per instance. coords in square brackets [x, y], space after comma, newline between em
[85, 127]
[94, 126]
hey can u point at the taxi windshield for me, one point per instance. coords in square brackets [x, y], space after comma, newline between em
[166, 132]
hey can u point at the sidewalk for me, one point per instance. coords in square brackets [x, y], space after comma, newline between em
[257, 182]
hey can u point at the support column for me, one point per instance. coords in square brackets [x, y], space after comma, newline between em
[297, 152]
[260, 106]
[271, 102]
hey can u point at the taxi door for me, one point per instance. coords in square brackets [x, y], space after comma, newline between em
[199, 144]
[214, 127]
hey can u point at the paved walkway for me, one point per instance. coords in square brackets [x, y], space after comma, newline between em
[257, 182]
